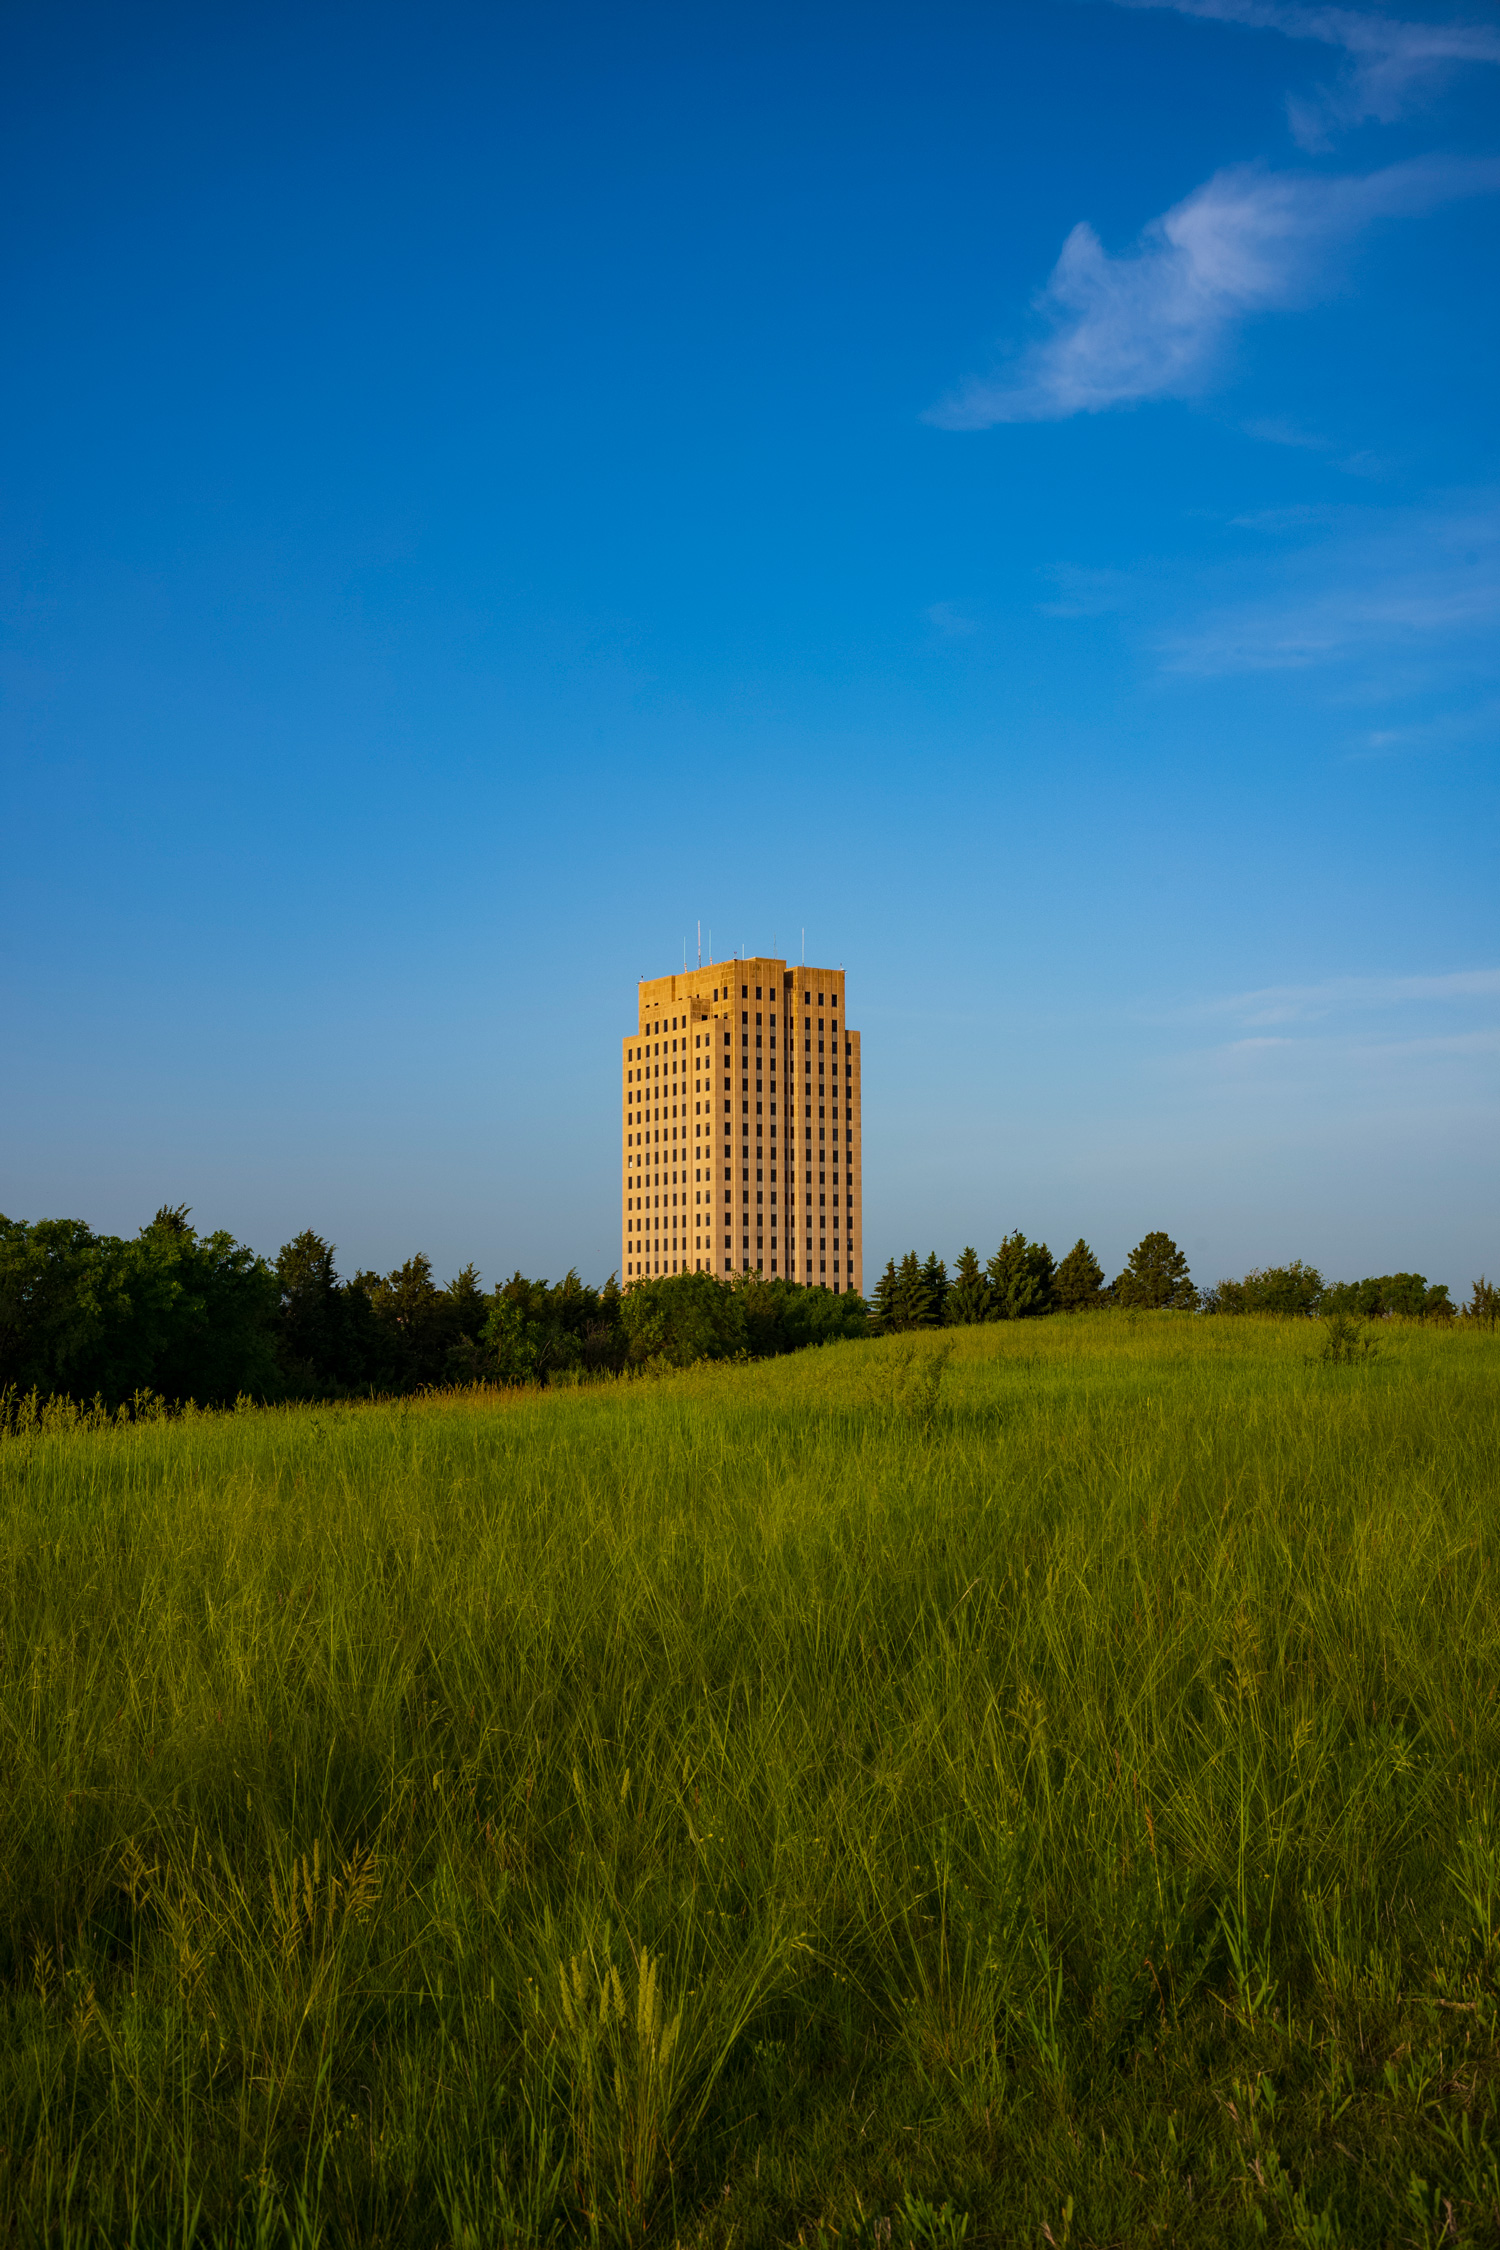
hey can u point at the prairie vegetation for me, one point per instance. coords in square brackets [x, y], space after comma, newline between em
[1031, 1782]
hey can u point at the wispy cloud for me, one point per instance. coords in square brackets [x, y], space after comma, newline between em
[1276, 430]
[1397, 589]
[1390, 64]
[1272, 430]
[1448, 730]
[951, 621]
[1154, 323]
[1347, 1032]
[1090, 593]
[1312, 1003]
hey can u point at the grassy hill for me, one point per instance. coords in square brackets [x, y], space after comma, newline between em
[1041, 1777]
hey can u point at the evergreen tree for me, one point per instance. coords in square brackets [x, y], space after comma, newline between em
[310, 1323]
[1156, 1277]
[913, 1303]
[427, 1334]
[1020, 1275]
[467, 1310]
[935, 1282]
[969, 1297]
[883, 1303]
[1079, 1282]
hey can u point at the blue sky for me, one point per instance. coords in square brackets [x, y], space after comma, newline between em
[1012, 491]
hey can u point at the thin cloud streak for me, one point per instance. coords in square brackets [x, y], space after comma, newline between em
[1311, 1003]
[1392, 63]
[1401, 589]
[1155, 322]
[1449, 730]
[1337, 1059]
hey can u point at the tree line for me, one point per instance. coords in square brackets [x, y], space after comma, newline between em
[174, 1314]
[1023, 1281]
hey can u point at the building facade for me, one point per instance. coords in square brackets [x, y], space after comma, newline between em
[740, 1127]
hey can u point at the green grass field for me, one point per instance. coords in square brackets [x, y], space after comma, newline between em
[1047, 1799]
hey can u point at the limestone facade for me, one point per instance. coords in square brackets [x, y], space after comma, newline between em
[740, 1127]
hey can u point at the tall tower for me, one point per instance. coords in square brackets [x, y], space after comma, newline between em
[740, 1127]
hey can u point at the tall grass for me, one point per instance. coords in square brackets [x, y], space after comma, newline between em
[1033, 1785]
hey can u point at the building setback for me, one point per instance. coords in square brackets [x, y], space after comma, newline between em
[740, 1108]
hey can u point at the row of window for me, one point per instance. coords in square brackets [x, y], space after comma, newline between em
[644, 1116]
[638, 1269]
[635, 1116]
[700, 1195]
[706, 1132]
[745, 994]
[725, 992]
[825, 1069]
[644, 1226]
[705, 1039]
[707, 1241]
[662, 1180]
[700, 1085]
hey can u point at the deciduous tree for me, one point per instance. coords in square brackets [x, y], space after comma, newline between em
[1408, 1296]
[1291, 1291]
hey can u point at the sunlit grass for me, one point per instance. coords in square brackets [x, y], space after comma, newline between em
[1045, 1770]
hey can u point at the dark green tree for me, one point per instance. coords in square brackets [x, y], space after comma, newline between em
[603, 1331]
[1404, 1296]
[913, 1299]
[55, 1286]
[307, 1324]
[425, 1334]
[1292, 1291]
[533, 1330]
[203, 1309]
[681, 1317]
[969, 1298]
[326, 1334]
[1156, 1277]
[1021, 1279]
[513, 1347]
[1484, 1302]
[1078, 1285]
[818, 1316]
[466, 1308]
[188, 1316]
[935, 1282]
[883, 1303]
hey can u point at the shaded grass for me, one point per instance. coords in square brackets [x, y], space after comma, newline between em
[823, 1798]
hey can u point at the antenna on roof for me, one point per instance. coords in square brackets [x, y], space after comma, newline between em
[700, 944]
